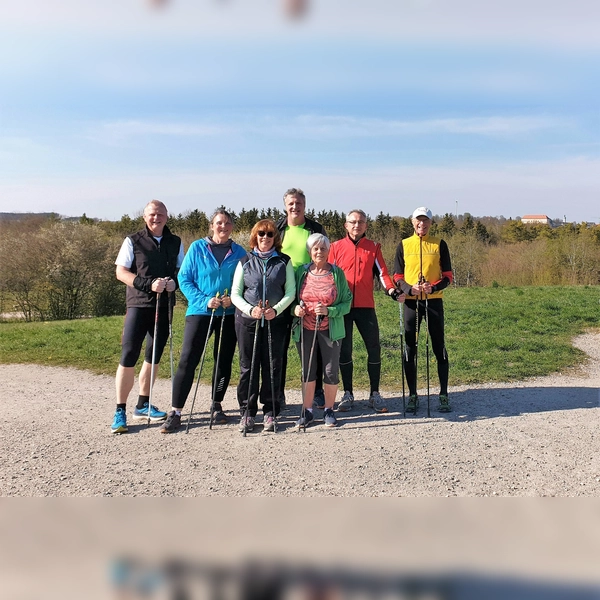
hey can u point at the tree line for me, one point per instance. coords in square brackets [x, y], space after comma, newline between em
[55, 268]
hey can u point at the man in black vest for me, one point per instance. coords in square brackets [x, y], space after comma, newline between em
[147, 264]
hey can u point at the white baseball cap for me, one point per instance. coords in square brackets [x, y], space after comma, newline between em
[422, 211]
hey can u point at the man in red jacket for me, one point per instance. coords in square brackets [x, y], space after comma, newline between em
[362, 261]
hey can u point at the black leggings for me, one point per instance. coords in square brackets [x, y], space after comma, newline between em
[194, 338]
[366, 323]
[435, 317]
[139, 325]
[245, 330]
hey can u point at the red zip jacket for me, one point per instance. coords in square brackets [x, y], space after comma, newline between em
[361, 263]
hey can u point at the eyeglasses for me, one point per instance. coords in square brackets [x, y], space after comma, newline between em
[356, 222]
[267, 233]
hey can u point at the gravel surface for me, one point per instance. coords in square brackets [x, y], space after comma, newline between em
[534, 438]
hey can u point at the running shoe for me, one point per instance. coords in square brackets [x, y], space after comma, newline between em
[119, 424]
[377, 403]
[155, 415]
[329, 418]
[219, 417]
[413, 403]
[346, 403]
[172, 424]
[319, 399]
[444, 404]
[269, 422]
[246, 424]
[306, 420]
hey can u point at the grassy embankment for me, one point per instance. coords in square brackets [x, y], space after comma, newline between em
[492, 334]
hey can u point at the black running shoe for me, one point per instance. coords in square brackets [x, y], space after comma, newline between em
[444, 404]
[306, 420]
[219, 417]
[172, 424]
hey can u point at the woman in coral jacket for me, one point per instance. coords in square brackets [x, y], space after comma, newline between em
[362, 261]
[205, 279]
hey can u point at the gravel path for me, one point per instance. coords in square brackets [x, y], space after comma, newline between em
[534, 438]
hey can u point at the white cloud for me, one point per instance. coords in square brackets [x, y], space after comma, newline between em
[335, 126]
[327, 127]
[120, 131]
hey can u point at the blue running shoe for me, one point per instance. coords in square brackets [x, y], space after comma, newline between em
[119, 424]
[155, 415]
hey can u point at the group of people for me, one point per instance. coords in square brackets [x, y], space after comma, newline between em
[293, 283]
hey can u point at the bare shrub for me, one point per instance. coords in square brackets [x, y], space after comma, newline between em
[468, 255]
[577, 257]
[572, 258]
[61, 271]
[516, 264]
[23, 274]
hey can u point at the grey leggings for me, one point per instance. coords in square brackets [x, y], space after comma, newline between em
[330, 353]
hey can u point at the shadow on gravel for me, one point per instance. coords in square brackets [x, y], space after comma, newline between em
[471, 405]
[140, 427]
[468, 405]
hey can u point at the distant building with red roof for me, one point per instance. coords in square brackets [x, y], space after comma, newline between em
[537, 220]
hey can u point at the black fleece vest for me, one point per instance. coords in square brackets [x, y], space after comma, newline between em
[151, 260]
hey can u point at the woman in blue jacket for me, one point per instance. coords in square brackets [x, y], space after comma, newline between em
[205, 279]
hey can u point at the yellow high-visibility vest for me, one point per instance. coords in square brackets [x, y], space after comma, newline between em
[432, 265]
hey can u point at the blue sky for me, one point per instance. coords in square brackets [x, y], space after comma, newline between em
[491, 110]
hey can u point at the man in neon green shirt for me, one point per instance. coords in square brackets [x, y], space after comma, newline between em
[295, 228]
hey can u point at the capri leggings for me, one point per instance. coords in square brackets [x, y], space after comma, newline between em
[435, 318]
[139, 325]
[330, 353]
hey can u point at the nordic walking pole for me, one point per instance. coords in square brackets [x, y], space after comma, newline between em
[152, 368]
[212, 316]
[171, 336]
[251, 372]
[418, 325]
[427, 348]
[310, 358]
[302, 372]
[416, 354]
[401, 305]
[423, 281]
[270, 343]
[214, 388]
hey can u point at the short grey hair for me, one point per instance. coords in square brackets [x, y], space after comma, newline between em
[295, 193]
[156, 203]
[358, 211]
[317, 238]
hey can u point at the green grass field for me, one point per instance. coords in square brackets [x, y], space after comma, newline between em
[492, 334]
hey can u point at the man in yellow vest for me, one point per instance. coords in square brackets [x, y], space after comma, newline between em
[422, 270]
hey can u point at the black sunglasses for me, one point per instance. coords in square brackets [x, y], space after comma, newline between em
[263, 233]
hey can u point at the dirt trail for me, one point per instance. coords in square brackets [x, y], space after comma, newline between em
[534, 438]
